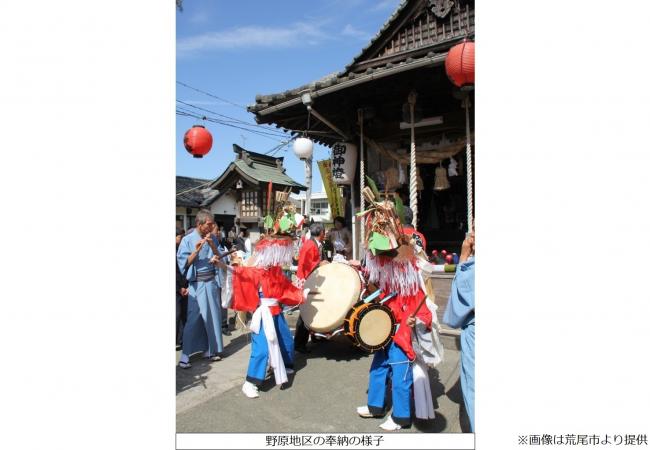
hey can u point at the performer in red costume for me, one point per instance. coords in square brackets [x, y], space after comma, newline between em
[392, 266]
[262, 289]
[309, 258]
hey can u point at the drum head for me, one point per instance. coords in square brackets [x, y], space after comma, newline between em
[375, 328]
[339, 289]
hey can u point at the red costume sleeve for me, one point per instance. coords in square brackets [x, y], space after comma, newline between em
[308, 259]
[403, 336]
[276, 285]
[245, 295]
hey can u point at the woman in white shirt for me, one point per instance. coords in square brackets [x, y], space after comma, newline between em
[340, 238]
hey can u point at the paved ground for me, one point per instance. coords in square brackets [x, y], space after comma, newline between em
[322, 396]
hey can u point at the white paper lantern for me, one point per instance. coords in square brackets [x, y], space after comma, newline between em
[344, 162]
[303, 148]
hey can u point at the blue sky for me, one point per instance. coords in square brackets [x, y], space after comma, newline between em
[237, 49]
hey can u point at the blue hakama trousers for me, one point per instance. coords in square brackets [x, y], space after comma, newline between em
[260, 350]
[394, 363]
[467, 370]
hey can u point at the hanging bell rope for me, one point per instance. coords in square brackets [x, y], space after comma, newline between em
[362, 175]
[413, 191]
[470, 196]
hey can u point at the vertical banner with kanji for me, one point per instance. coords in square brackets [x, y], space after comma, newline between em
[344, 162]
[331, 189]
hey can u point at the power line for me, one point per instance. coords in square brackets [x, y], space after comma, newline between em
[228, 123]
[194, 188]
[221, 122]
[271, 152]
[211, 95]
[233, 119]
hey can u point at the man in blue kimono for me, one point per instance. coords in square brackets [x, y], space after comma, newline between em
[219, 241]
[460, 314]
[202, 331]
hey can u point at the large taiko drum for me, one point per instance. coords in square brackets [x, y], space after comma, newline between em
[370, 326]
[338, 287]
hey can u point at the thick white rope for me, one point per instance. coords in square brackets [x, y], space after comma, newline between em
[470, 197]
[362, 178]
[413, 193]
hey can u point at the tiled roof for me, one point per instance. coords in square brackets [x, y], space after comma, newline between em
[264, 173]
[189, 196]
[440, 48]
[256, 167]
[265, 101]
[387, 24]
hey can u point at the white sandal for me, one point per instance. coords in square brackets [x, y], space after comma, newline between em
[363, 411]
[250, 390]
[390, 425]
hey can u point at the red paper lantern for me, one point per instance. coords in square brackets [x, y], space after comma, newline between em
[460, 64]
[197, 141]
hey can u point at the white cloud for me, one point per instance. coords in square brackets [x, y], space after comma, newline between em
[351, 31]
[293, 35]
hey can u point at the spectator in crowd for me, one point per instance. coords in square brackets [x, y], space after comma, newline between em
[240, 242]
[202, 331]
[243, 243]
[181, 295]
[340, 238]
[309, 258]
[220, 278]
[460, 314]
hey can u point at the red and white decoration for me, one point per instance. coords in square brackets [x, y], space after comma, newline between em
[274, 252]
[392, 275]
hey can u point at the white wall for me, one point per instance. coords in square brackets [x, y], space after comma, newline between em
[226, 204]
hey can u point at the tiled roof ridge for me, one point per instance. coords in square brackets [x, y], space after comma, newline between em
[384, 27]
[333, 77]
[192, 178]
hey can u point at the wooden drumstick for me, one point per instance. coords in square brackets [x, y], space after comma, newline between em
[223, 255]
[419, 306]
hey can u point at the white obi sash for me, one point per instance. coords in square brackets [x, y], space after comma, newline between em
[263, 317]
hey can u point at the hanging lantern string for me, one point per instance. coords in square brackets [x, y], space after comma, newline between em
[308, 122]
[277, 148]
